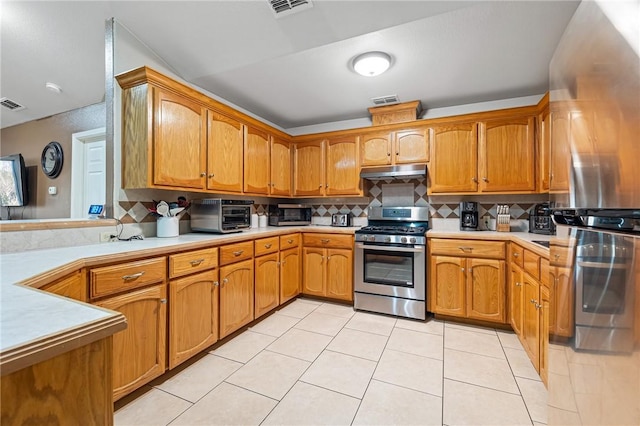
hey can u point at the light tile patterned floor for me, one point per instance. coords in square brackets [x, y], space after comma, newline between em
[323, 363]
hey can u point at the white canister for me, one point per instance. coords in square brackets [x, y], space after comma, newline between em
[168, 227]
[254, 220]
[263, 220]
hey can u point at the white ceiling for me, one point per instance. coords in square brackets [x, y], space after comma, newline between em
[292, 70]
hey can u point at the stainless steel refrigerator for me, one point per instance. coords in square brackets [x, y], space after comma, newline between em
[594, 369]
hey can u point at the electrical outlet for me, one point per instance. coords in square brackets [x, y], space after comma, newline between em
[105, 237]
[485, 219]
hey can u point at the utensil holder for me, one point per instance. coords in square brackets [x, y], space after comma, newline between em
[168, 227]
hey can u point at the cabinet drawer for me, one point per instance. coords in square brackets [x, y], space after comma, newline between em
[467, 248]
[266, 245]
[517, 255]
[532, 264]
[327, 240]
[116, 278]
[192, 261]
[289, 241]
[560, 256]
[236, 252]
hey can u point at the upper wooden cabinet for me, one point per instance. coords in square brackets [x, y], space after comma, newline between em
[401, 147]
[257, 154]
[342, 169]
[308, 160]
[454, 158]
[559, 152]
[492, 156]
[280, 168]
[225, 153]
[506, 151]
[544, 150]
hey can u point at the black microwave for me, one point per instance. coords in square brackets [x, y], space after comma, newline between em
[289, 214]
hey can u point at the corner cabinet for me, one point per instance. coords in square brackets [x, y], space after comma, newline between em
[164, 139]
[467, 279]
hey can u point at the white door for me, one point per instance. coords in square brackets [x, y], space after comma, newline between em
[88, 171]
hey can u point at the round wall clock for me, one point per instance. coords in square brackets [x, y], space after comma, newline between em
[52, 159]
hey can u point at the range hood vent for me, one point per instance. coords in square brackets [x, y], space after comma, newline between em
[406, 171]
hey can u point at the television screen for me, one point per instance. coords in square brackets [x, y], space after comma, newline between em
[13, 181]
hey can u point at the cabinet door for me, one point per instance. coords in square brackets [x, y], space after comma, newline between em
[562, 297]
[531, 322]
[73, 286]
[179, 144]
[224, 153]
[485, 289]
[280, 168]
[139, 351]
[313, 280]
[236, 296]
[193, 315]
[256, 161]
[411, 146]
[289, 274]
[544, 151]
[343, 171]
[515, 299]
[267, 283]
[375, 149]
[308, 161]
[544, 333]
[340, 274]
[507, 149]
[447, 285]
[559, 152]
[453, 165]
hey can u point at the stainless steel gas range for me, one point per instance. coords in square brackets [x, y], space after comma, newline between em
[390, 262]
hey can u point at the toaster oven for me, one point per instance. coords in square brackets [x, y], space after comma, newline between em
[220, 216]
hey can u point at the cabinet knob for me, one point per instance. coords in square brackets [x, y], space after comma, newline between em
[283, 262]
[397, 153]
[538, 306]
[163, 300]
[518, 284]
[462, 269]
[388, 154]
[328, 257]
[211, 175]
[203, 174]
[326, 186]
[516, 254]
[556, 256]
[319, 186]
[225, 280]
[474, 179]
[216, 283]
[290, 241]
[532, 301]
[485, 179]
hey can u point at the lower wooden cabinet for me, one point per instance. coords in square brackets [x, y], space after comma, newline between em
[73, 286]
[562, 307]
[236, 296]
[139, 351]
[515, 298]
[328, 269]
[467, 286]
[289, 274]
[545, 302]
[267, 283]
[530, 336]
[193, 315]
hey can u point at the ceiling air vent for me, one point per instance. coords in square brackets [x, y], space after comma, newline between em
[287, 7]
[385, 100]
[12, 105]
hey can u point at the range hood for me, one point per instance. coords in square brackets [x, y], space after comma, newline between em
[405, 171]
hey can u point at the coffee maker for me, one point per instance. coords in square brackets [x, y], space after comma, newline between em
[468, 216]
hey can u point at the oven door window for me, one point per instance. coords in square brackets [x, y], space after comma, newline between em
[603, 290]
[388, 268]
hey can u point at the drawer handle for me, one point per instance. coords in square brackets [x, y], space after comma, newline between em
[466, 249]
[196, 262]
[267, 246]
[132, 276]
[516, 254]
[238, 253]
[325, 240]
[290, 241]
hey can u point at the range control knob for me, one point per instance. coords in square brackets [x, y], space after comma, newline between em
[387, 239]
[371, 237]
[403, 240]
[412, 240]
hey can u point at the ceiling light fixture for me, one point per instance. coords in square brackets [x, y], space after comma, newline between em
[371, 64]
[53, 87]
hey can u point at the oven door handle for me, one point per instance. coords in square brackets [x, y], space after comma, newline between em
[415, 249]
[601, 265]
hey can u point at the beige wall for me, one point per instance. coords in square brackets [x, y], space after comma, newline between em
[29, 139]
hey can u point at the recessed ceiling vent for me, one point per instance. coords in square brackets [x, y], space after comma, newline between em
[385, 100]
[282, 8]
[12, 105]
